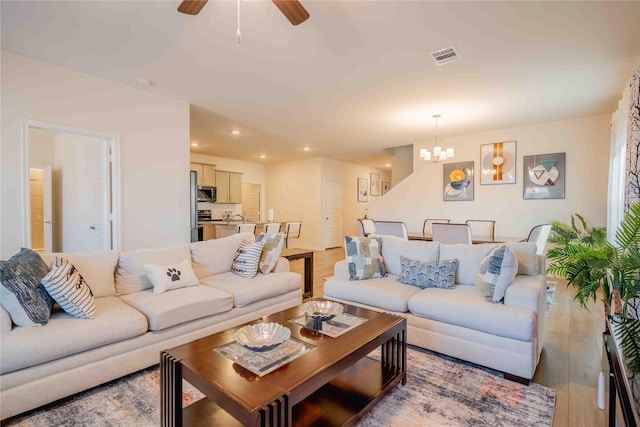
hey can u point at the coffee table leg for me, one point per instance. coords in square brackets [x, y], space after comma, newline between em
[394, 354]
[170, 391]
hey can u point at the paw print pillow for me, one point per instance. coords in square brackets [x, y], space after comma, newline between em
[168, 277]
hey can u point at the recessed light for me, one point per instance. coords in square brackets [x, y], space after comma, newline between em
[307, 149]
[195, 144]
[388, 165]
[235, 132]
[263, 156]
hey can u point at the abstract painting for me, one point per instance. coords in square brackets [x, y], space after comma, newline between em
[386, 185]
[544, 176]
[457, 181]
[375, 184]
[498, 163]
[363, 189]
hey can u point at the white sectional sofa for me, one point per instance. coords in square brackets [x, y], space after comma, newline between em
[39, 365]
[459, 322]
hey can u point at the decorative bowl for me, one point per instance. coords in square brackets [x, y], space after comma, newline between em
[322, 309]
[459, 185]
[262, 336]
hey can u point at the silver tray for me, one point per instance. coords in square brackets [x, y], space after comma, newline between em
[321, 309]
[262, 336]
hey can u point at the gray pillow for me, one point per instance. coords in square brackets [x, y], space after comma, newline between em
[439, 274]
[21, 292]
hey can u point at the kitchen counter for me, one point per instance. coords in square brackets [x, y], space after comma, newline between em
[217, 228]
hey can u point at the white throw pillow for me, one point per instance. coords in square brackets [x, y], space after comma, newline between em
[173, 276]
[245, 262]
[271, 249]
[496, 273]
[68, 288]
[527, 258]
[394, 247]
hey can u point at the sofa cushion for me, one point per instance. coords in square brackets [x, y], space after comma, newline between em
[215, 256]
[130, 274]
[262, 286]
[469, 258]
[21, 293]
[465, 307]
[69, 289]
[364, 258]
[497, 271]
[385, 293]
[439, 274]
[180, 305]
[172, 276]
[273, 243]
[98, 268]
[65, 335]
[527, 259]
[393, 247]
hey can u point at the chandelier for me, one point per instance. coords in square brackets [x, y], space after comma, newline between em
[439, 154]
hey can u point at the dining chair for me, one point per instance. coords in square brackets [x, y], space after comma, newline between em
[451, 233]
[539, 235]
[246, 228]
[366, 226]
[272, 227]
[426, 226]
[292, 231]
[482, 227]
[392, 228]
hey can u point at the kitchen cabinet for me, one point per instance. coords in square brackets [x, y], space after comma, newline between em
[208, 231]
[229, 185]
[206, 174]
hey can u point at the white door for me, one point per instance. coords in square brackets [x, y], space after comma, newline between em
[333, 214]
[48, 209]
[84, 207]
[251, 201]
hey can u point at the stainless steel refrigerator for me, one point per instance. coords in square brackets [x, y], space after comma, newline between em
[196, 232]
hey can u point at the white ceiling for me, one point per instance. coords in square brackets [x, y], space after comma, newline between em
[354, 79]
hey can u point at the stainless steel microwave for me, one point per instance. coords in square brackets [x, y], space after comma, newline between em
[207, 194]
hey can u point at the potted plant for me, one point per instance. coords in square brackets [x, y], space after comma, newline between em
[591, 264]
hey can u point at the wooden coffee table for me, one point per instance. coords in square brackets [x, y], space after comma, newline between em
[332, 384]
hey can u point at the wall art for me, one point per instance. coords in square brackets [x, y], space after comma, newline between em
[544, 176]
[498, 163]
[375, 184]
[363, 189]
[386, 186]
[457, 181]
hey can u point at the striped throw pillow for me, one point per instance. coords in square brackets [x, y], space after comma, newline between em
[68, 288]
[245, 262]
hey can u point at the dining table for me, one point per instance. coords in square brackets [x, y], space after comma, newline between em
[477, 239]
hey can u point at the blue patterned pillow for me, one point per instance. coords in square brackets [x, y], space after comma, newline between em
[439, 274]
[364, 257]
[21, 293]
[497, 271]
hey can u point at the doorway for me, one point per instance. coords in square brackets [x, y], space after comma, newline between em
[333, 214]
[251, 201]
[71, 199]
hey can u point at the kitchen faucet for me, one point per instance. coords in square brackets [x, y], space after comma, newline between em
[243, 217]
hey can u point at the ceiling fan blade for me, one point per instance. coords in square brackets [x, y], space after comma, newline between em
[191, 7]
[293, 10]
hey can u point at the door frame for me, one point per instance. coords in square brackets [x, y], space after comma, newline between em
[325, 228]
[113, 175]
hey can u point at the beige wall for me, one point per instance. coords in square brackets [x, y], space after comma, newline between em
[154, 147]
[296, 192]
[586, 143]
[402, 164]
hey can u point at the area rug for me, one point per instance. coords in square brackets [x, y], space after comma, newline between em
[440, 391]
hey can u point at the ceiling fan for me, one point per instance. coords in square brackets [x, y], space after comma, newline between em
[291, 9]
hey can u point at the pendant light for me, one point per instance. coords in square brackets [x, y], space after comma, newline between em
[439, 154]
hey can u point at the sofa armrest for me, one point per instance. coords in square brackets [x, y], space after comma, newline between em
[340, 270]
[527, 292]
[282, 266]
[542, 264]
[5, 321]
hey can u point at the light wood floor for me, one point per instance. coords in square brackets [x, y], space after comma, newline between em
[571, 356]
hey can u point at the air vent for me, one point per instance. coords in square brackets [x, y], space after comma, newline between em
[446, 55]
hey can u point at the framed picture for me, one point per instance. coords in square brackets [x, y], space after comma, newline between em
[386, 185]
[498, 163]
[544, 176]
[375, 184]
[457, 181]
[363, 189]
